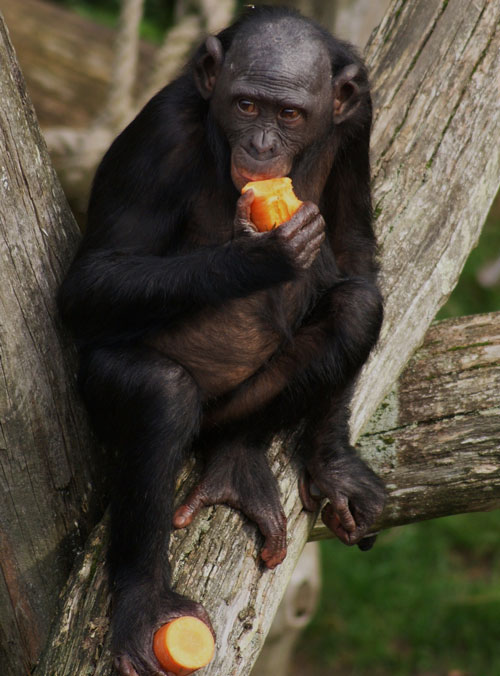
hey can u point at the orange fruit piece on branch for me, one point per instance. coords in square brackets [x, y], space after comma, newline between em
[183, 645]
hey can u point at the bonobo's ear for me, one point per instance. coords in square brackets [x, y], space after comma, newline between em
[346, 93]
[208, 67]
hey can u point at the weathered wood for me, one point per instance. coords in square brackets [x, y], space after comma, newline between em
[435, 439]
[436, 76]
[295, 612]
[48, 463]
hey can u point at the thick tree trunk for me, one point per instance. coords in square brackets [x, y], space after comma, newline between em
[48, 463]
[436, 167]
[436, 76]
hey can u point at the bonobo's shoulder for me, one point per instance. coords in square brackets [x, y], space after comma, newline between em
[166, 122]
[153, 153]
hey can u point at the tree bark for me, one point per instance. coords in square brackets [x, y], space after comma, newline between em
[436, 77]
[49, 466]
[435, 437]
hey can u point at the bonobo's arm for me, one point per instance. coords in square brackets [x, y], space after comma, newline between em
[121, 289]
[109, 291]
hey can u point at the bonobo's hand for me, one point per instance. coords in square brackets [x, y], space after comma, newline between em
[356, 497]
[300, 237]
[137, 614]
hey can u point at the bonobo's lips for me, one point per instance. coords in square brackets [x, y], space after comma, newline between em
[245, 168]
[242, 176]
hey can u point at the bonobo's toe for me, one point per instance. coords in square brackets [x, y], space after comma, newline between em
[367, 542]
[123, 666]
[309, 493]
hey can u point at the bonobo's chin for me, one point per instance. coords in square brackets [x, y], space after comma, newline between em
[243, 175]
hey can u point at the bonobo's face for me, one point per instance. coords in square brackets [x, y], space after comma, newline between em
[272, 97]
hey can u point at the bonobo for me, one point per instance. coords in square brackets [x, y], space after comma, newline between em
[198, 334]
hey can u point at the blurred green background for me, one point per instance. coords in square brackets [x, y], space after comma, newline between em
[426, 600]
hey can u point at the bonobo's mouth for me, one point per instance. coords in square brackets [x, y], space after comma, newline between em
[245, 169]
[241, 177]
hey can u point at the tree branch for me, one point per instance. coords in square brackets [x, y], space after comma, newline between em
[434, 439]
[50, 470]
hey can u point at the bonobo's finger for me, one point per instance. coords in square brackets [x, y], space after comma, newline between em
[308, 493]
[314, 228]
[308, 254]
[274, 551]
[243, 211]
[271, 521]
[184, 514]
[272, 525]
[123, 666]
[301, 219]
[273, 528]
[340, 521]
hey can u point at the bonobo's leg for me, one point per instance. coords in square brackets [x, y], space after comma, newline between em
[237, 474]
[333, 470]
[327, 350]
[312, 378]
[148, 408]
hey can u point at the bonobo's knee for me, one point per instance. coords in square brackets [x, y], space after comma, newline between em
[133, 390]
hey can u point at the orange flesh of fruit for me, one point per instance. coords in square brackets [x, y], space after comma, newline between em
[183, 645]
[274, 202]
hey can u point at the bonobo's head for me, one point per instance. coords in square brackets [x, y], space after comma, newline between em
[277, 85]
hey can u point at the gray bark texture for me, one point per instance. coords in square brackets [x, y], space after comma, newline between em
[436, 80]
[48, 462]
[435, 439]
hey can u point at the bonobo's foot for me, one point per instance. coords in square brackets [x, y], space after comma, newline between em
[241, 478]
[356, 497]
[138, 613]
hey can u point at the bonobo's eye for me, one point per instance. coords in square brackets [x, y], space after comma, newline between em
[247, 107]
[290, 114]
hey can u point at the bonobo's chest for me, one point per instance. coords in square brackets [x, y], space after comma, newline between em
[210, 222]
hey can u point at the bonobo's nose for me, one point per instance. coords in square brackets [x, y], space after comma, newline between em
[263, 145]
